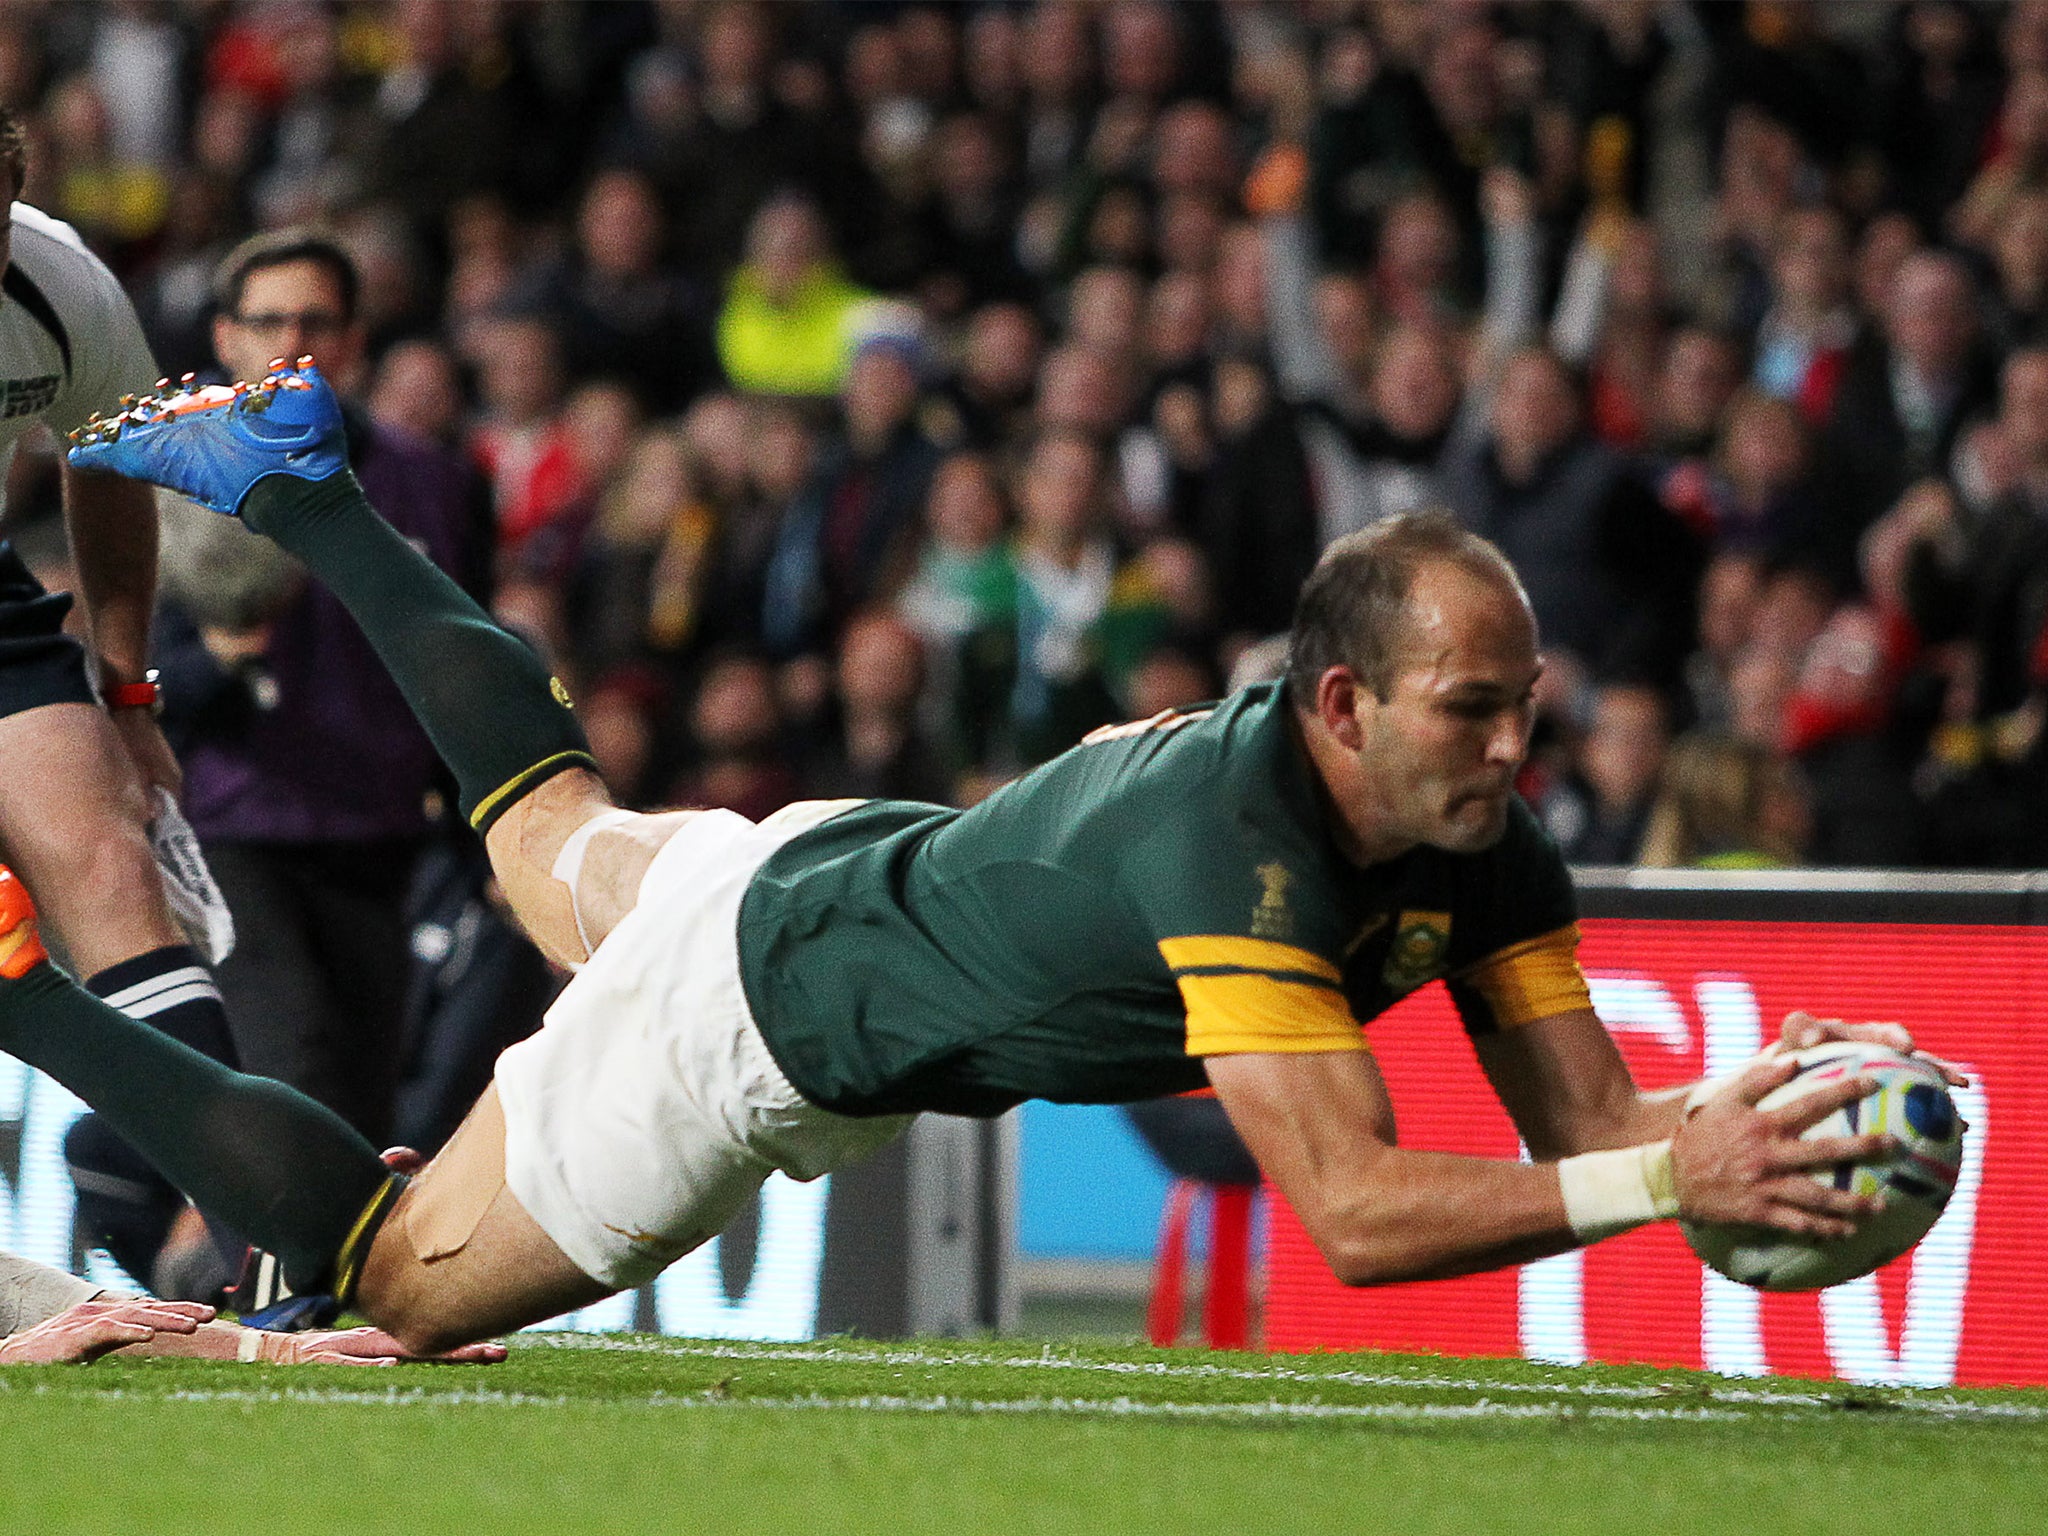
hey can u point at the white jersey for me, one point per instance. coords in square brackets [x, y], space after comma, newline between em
[70, 344]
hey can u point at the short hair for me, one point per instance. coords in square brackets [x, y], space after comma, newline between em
[283, 248]
[1353, 608]
[13, 148]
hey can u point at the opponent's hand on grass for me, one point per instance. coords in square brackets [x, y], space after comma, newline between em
[92, 1328]
[1801, 1029]
[1738, 1165]
[363, 1346]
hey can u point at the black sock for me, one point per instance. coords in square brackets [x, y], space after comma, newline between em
[124, 1204]
[267, 1160]
[171, 990]
[499, 721]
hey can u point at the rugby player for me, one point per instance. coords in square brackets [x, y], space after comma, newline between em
[1221, 895]
[85, 797]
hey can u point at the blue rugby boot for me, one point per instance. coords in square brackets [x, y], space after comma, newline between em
[213, 443]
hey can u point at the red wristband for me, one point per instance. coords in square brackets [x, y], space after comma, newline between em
[142, 695]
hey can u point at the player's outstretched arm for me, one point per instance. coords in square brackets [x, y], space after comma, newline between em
[1320, 1126]
[145, 1326]
[85, 1331]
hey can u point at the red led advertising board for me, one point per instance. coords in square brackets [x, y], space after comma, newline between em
[1685, 998]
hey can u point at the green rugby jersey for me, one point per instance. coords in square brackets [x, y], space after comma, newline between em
[1163, 892]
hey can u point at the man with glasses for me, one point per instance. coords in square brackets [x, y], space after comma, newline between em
[307, 779]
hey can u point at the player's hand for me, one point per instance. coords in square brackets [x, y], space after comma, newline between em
[363, 1346]
[92, 1328]
[148, 750]
[1737, 1165]
[1801, 1029]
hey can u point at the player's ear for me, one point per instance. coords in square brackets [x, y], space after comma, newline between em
[1339, 698]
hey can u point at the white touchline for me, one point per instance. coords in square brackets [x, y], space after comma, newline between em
[1941, 1404]
[1115, 1407]
[1119, 1407]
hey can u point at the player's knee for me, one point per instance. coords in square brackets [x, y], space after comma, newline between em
[110, 864]
[414, 1315]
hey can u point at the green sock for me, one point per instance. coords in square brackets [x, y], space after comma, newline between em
[284, 1172]
[493, 712]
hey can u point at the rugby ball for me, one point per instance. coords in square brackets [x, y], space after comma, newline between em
[1912, 1103]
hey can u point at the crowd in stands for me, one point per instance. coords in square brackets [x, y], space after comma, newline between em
[877, 397]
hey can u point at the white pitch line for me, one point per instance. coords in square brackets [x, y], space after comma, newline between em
[1941, 1406]
[1083, 1407]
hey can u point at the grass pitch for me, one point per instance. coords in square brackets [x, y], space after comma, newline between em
[622, 1434]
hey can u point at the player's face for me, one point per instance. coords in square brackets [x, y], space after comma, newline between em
[291, 310]
[1440, 753]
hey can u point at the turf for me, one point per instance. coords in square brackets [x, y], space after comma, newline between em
[639, 1434]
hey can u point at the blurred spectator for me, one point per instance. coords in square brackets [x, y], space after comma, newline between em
[1802, 344]
[309, 783]
[417, 388]
[987, 403]
[1901, 403]
[1761, 500]
[857, 517]
[1609, 572]
[2019, 255]
[1601, 818]
[736, 732]
[877, 748]
[442, 127]
[788, 324]
[620, 311]
[1084, 618]
[1726, 804]
[964, 577]
[1838, 728]
[522, 438]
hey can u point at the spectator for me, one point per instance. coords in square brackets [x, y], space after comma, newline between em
[1726, 804]
[1609, 573]
[1803, 342]
[522, 439]
[1601, 818]
[1901, 403]
[877, 747]
[620, 311]
[1084, 618]
[736, 731]
[306, 778]
[853, 523]
[790, 315]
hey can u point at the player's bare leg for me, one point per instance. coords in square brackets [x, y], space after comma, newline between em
[73, 811]
[459, 1258]
[567, 907]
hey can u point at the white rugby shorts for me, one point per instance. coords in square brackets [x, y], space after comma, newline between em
[647, 1110]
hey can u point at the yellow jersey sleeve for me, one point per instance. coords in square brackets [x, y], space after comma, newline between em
[1258, 995]
[1532, 980]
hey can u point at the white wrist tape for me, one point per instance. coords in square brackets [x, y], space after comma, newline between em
[249, 1347]
[1606, 1193]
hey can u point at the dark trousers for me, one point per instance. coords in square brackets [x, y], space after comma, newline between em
[315, 989]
